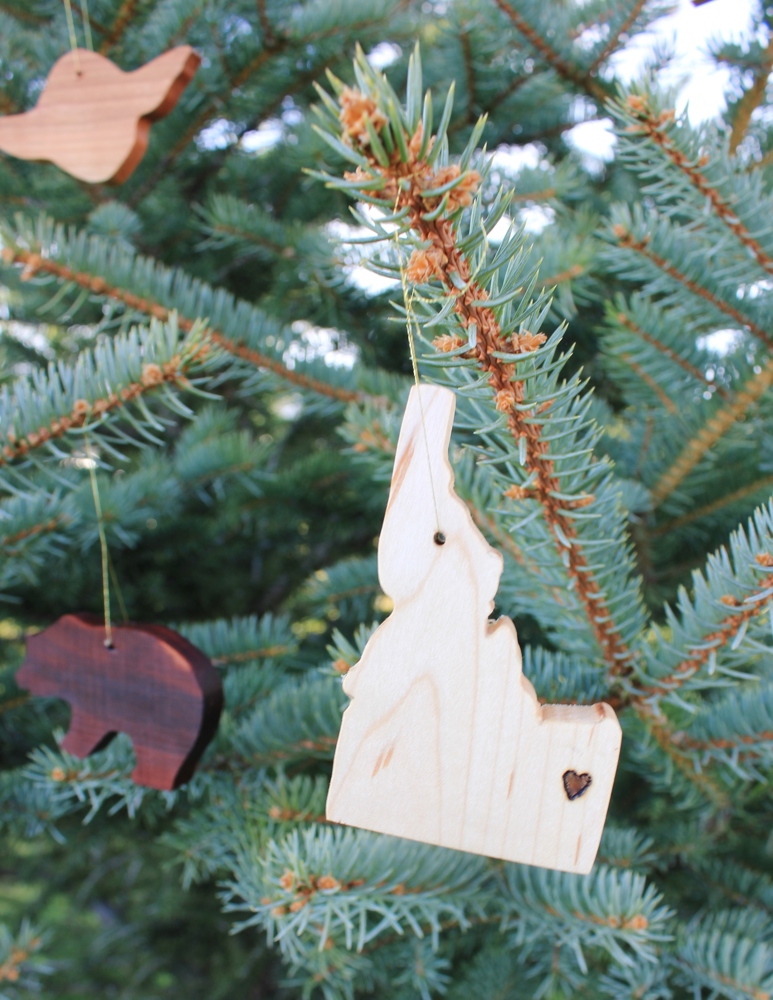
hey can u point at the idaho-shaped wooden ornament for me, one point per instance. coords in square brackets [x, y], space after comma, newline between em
[92, 119]
[153, 685]
[444, 740]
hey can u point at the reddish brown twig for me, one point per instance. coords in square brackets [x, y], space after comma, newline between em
[404, 187]
[656, 127]
[34, 264]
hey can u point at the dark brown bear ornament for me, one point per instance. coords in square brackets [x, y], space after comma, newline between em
[152, 685]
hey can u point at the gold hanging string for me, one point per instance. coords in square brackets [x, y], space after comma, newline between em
[103, 545]
[87, 25]
[412, 322]
[73, 37]
[117, 585]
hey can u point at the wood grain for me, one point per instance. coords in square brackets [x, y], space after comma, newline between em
[154, 685]
[93, 120]
[444, 740]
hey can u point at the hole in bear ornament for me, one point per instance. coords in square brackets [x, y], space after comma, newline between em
[575, 784]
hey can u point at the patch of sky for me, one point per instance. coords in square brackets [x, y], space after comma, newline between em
[265, 137]
[316, 342]
[354, 257]
[384, 54]
[675, 48]
[288, 407]
[755, 290]
[720, 342]
[687, 34]
[219, 134]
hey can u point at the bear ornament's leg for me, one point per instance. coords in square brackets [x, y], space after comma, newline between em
[163, 768]
[86, 734]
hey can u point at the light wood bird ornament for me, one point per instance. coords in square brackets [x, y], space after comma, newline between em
[93, 119]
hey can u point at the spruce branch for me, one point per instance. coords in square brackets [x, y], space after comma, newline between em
[33, 528]
[67, 784]
[229, 221]
[562, 679]
[713, 431]
[728, 953]
[709, 637]
[348, 587]
[41, 525]
[269, 38]
[297, 722]
[756, 603]
[583, 80]
[763, 486]
[243, 641]
[628, 241]
[26, 16]
[656, 126]
[21, 962]
[628, 323]
[737, 883]
[571, 273]
[123, 18]
[285, 38]
[342, 886]
[85, 12]
[611, 910]
[613, 41]
[648, 380]
[657, 728]
[426, 200]
[627, 848]
[13, 703]
[469, 73]
[38, 411]
[493, 529]
[11, 542]
[33, 263]
[736, 730]
[752, 98]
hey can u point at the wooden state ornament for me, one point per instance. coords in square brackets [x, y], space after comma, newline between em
[153, 685]
[444, 740]
[93, 120]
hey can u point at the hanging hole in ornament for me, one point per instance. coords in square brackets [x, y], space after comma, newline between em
[439, 538]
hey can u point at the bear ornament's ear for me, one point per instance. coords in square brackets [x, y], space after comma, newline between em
[153, 685]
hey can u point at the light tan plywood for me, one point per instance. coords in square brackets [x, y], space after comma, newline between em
[92, 119]
[444, 740]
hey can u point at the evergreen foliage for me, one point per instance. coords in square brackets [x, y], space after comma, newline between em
[219, 347]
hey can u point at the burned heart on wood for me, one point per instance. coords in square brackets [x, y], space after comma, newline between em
[153, 685]
[576, 784]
